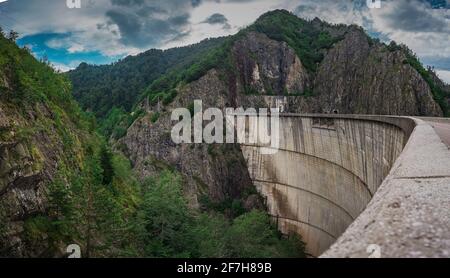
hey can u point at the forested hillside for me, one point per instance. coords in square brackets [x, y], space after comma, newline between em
[100, 88]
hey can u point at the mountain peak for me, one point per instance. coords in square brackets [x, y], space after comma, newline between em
[279, 13]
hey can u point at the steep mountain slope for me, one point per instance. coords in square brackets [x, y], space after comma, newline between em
[100, 88]
[381, 82]
[342, 70]
[328, 68]
[58, 182]
[284, 61]
[352, 73]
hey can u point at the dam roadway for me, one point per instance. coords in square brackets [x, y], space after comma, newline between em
[351, 183]
[442, 128]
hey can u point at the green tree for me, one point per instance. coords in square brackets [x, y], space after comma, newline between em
[166, 218]
[209, 234]
[170, 229]
[252, 236]
[100, 217]
[121, 84]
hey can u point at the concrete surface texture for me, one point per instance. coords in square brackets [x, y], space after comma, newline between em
[442, 128]
[354, 182]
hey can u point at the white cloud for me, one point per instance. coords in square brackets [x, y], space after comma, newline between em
[62, 67]
[239, 15]
[412, 22]
[444, 75]
[346, 12]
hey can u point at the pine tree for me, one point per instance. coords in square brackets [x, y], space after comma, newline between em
[106, 163]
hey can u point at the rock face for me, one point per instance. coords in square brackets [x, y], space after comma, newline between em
[217, 172]
[29, 157]
[36, 137]
[357, 78]
[269, 67]
[441, 85]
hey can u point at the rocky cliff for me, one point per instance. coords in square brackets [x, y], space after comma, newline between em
[268, 67]
[37, 133]
[56, 186]
[359, 76]
[215, 173]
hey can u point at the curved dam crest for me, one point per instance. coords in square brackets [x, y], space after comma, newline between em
[328, 172]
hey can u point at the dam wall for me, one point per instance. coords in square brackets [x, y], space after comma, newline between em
[326, 171]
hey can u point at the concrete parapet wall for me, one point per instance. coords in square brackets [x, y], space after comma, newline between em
[326, 172]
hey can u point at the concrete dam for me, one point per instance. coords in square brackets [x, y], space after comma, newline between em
[351, 183]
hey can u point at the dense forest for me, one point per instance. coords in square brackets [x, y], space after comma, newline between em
[101, 88]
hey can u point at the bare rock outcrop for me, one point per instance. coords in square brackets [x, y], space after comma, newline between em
[356, 77]
[29, 157]
[269, 67]
[216, 172]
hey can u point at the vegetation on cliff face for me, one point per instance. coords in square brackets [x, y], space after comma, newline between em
[117, 121]
[59, 183]
[439, 95]
[307, 39]
[303, 36]
[95, 207]
[311, 41]
[31, 82]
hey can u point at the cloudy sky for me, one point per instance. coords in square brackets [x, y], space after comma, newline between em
[102, 31]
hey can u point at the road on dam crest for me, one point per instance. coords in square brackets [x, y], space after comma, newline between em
[442, 129]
